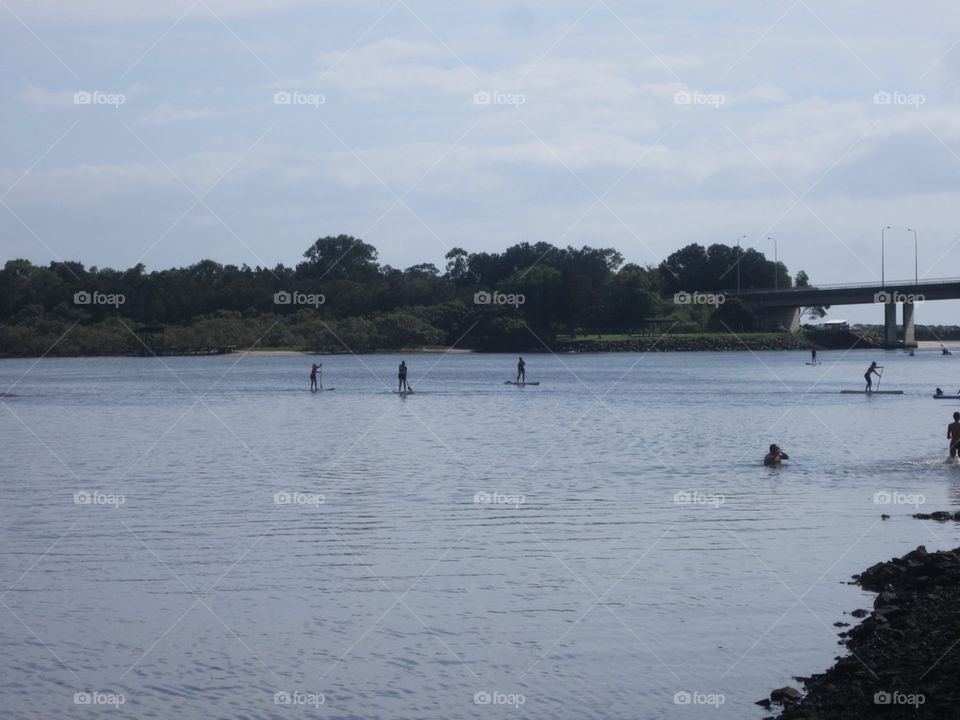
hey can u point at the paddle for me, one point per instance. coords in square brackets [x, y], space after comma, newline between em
[879, 375]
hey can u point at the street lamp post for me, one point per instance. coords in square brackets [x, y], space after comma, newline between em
[776, 264]
[882, 230]
[742, 237]
[916, 256]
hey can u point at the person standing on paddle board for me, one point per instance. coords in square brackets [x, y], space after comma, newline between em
[521, 372]
[775, 455]
[813, 355]
[313, 376]
[953, 434]
[402, 378]
[866, 376]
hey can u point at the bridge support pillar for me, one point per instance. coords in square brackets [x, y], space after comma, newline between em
[780, 318]
[890, 325]
[909, 336]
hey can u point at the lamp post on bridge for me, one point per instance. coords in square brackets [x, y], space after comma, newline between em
[882, 230]
[742, 237]
[776, 264]
[916, 256]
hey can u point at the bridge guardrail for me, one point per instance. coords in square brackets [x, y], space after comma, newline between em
[845, 286]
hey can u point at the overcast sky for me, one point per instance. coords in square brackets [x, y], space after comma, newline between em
[242, 130]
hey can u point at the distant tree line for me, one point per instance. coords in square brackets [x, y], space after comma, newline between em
[339, 298]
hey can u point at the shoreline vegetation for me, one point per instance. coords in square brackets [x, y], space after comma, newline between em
[528, 298]
[903, 659]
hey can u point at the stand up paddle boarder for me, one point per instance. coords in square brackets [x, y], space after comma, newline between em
[521, 372]
[874, 370]
[313, 376]
[953, 435]
[402, 378]
[813, 356]
[775, 455]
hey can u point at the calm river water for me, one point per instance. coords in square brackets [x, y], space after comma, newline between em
[203, 537]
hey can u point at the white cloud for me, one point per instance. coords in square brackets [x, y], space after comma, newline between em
[42, 99]
[165, 113]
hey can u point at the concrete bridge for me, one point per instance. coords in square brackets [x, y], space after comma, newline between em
[781, 307]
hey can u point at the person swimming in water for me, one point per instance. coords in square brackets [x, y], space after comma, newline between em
[872, 369]
[313, 376]
[775, 455]
[521, 372]
[402, 378]
[953, 435]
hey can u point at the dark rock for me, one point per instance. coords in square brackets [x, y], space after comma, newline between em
[786, 694]
[914, 624]
[765, 703]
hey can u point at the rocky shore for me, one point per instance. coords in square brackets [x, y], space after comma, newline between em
[904, 657]
[681, 344]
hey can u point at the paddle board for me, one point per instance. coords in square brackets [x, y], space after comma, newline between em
[816, 363]
[872, 392]
[511, 382]
[947, 397]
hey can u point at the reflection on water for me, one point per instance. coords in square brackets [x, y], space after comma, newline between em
[603, 545]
